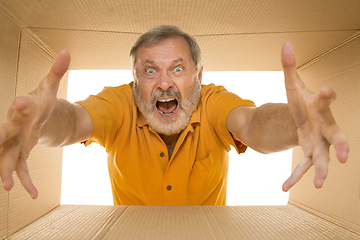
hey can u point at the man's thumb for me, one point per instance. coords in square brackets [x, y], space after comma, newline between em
[288, 60]
[59, 68]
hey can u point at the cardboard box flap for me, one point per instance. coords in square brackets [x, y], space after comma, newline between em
[239, 52]
[44, 164]
[202, 17]
[9, 47]
[340, 196]
[84, 28]
[182, 222]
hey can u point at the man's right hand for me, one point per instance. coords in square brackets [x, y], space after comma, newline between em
[20, 131]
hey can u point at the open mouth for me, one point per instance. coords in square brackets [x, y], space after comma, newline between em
[167, 106]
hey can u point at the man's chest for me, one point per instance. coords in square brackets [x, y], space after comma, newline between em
[148, 168]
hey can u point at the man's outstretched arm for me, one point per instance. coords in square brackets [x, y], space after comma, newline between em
[39, 117]
[306, 120]
[69, 123]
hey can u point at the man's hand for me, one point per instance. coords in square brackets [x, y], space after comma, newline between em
[316, 126]
[20, 131]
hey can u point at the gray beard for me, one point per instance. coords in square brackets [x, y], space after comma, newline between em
[171, 126]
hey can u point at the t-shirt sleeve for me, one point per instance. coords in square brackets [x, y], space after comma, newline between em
[220, 103]
[105, 115]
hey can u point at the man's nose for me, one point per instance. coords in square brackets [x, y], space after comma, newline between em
[165, 83]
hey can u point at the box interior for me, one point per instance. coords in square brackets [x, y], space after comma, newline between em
[233, 36]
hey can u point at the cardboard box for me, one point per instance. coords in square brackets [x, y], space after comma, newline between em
[233, 35]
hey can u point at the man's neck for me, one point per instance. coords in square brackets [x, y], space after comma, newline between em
[170, 142]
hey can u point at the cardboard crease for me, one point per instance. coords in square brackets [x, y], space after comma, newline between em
[106, 228]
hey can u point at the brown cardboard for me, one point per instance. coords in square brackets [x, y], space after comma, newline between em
[247, 34]
[340, 196]
[25, 60]
[44, 163]
[201, 17]
[182, 222]
[114, 53]
[233, 35]
[9, 46]
[72, 222]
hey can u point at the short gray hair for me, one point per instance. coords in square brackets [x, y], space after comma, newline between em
[160, 33]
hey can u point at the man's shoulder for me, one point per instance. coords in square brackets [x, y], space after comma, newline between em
[119, 92]
[210, 89]
[218, 96]
[125, 88]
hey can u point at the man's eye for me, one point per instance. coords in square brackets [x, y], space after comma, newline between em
[178, 69]
[150, 70]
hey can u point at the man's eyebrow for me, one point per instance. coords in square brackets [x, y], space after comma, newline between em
[148, 62]
[179, 60]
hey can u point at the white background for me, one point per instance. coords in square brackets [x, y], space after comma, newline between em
[254, 178]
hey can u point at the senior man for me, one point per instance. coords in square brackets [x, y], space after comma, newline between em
[166, 135]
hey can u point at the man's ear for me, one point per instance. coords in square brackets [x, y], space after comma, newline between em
[200, 74]
[134, 75]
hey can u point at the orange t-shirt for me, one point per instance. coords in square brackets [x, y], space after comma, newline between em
[139, 167]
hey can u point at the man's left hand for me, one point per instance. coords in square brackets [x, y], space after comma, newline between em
[316, 126]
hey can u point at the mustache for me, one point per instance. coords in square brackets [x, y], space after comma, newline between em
[169, 93]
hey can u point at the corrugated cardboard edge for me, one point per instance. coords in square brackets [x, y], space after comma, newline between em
[183, 222]
[326, 217]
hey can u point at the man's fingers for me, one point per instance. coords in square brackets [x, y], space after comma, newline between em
[342, 150]
[337, 137]
[303, 166]
[321, 160]
[325, 98]
[7, 179]
[24, 176]
[332, 132]
[19, 112]
[24, 104]
[7, 131]
[21, 108]
[7, 165]
[8, 182]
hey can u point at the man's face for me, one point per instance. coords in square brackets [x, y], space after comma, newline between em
[167, 87]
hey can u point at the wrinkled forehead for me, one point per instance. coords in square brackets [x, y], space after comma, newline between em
[174, 47]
